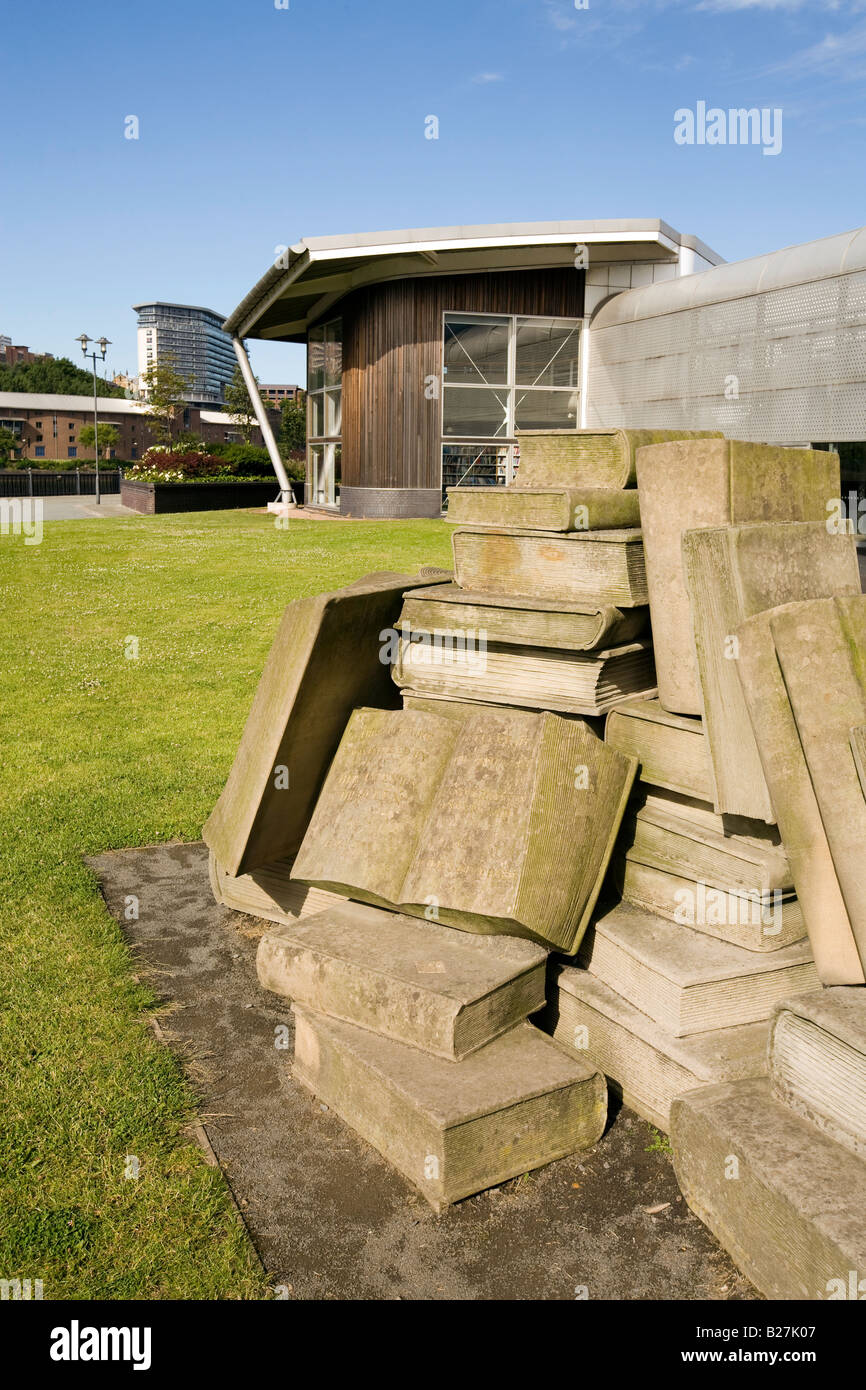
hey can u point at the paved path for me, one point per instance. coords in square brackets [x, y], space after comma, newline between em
[329, 1217]
[80, 508]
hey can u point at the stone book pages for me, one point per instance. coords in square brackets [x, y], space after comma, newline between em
[750, 919]
[499, 821]
[671, 749]
[857, 740]
[588, 683]
[420, 983]
[687, 485]
[647, 1066]
[795, 804]
[589, 458]
[269, 893]
[732, 573]
[544, 509]
[606, 567]
[325, 660]
[523, 622]
[785, 1201]
[454, 1129]
[682, 837]
[686, 981]
[817, 1061]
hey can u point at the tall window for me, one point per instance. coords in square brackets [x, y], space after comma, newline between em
[502, 374]
[324, 412]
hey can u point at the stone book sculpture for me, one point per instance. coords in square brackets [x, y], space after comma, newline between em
[569, 682]
[647, 1066]
[802, 673]
[324, 660]
[417, 982]
[755, 920]
[687, 485]
[684, 837]
[269, 892]
[731, 573]
[786, 1202]
[606, 567]
[501, 821]
[453, 1128]
[603, 458]
[523, 622]
[685, 980]
[817, 1061]
[670, 748]
[544, 509]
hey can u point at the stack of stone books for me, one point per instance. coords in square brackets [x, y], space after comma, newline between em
[704, 929]
[412, 861]
[548, 609]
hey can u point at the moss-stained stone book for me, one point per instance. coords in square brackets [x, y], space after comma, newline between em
[269, 892]
[785, 1201]
[499, 821]
[670, 748]
[732, 573]
[544, 509]
[454, 1128]
[325, 660]
[817, 1061]
[685, 980]
[606, 567]
[603, 458]
[417, 982]
[589, 683]
[643, 1063]
[521, 621]
[687, 485]
[802, 671]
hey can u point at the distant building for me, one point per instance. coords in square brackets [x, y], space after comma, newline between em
[194, 338]
[49, 426]
[10, 355]
[275, 395]
[127, 383]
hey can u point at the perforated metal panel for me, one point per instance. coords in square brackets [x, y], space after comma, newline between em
[786, 365]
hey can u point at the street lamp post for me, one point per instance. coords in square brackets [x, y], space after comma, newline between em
[103, 344]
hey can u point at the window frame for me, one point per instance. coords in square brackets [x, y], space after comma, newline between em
[325, 444]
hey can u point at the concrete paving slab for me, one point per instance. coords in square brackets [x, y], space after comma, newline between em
[329, 1217]
[84, 508]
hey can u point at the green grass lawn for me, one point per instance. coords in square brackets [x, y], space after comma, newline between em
[101, 751]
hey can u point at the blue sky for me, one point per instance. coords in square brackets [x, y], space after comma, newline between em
[261, 125]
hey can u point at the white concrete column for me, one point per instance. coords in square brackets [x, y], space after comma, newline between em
[287, 498]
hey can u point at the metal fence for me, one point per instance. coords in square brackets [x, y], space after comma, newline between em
[42, 482]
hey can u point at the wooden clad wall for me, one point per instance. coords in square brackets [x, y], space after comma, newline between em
[392, 343]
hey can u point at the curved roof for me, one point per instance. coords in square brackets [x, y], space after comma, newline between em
[796, 265]
[307, 279]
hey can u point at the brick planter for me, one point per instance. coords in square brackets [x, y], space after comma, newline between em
[152, 498]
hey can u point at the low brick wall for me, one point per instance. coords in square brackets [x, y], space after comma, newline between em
[153, 498]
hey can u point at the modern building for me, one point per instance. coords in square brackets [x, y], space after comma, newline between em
[275, 395]
[49, 426]
[194, 338]
[429, 350]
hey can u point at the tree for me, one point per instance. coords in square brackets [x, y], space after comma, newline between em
[9, 445]
[108, 436]
[165, 390]
[239, 406]
[293, 426]
[55, 376]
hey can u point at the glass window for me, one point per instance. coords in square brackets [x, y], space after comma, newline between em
[502, 374]
[546, 352]
[468, 411]
[72, 453]
[476, 350]
[324, 411]
[40, 451]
